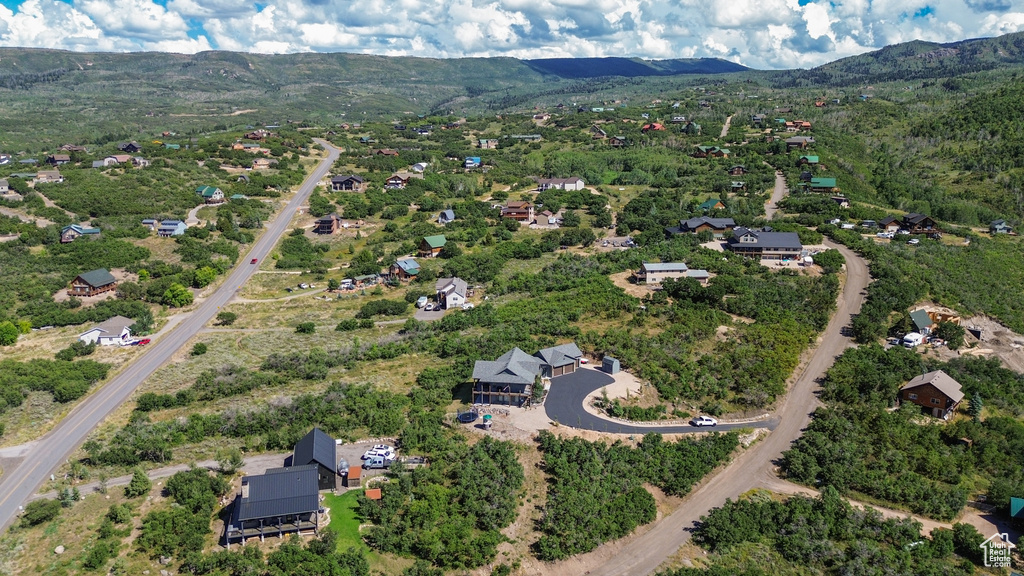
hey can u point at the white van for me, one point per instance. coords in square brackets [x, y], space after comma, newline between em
[913, 340]
[377, 462]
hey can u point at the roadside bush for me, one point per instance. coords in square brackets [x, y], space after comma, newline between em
[39, 511]
[305, 328]
[347, 325]
[382, 308]
[199, 349]
[226, 318]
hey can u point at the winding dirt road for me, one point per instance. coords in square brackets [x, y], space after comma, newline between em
[755, 467]
[778, 194]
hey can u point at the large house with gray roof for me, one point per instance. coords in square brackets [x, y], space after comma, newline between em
[451, 292]
[510, 379]
[765, 243]
[275, 503]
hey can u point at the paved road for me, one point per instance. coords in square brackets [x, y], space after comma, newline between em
[564, 405]
[756, 466]
[50, 451]
[778, 194]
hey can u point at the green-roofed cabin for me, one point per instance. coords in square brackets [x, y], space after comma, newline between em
[804, 160]
[922, 322]
[822, 185]
[92, 283]
[711, 204]
[210, 194]
[431, 246]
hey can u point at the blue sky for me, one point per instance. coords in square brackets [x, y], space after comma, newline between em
[758, 33]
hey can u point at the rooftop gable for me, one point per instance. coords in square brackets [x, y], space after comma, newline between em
[97, 278]
[316, 447]
[941, 381]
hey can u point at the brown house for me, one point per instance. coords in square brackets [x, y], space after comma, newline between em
[919, 224]
[431, 246]
[58, 159]
[519, 211]
[327, 225]
[92, 283]
[937, 393]
[385, 152]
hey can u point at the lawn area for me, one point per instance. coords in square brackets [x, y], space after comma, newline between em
[345, 519]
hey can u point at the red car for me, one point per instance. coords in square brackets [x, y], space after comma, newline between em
[253, 261]
[144, 341]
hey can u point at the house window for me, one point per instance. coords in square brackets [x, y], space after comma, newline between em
[935, 400]
[912, 396]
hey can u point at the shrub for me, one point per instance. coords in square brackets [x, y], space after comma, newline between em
[347, 325]
[199, 349]
[98, 555]
[831, 261]
[177, 296]
[382, 308]
[8, 333]
[39, 511]
[226, 318]
[305, 328]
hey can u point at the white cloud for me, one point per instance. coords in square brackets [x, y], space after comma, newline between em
[757, 33]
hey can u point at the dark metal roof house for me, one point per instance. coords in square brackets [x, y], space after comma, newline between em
[318, 448]
[279, 501]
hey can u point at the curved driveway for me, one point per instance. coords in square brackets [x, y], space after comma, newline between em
[753, 468]
[53, 449]
[564, 405]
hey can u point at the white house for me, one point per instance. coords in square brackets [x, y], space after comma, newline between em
[656, 272]
[573, 183]
[451, 292]
[113, 331]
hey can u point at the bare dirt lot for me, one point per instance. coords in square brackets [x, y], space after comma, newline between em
[996, 340]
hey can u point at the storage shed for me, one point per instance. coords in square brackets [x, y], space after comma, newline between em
[610, 365]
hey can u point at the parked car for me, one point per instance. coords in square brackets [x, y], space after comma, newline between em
[914, 241]
[430, 307]
[467, 306]
[143, 342]
[378, 450]
[704, 421]
[421, 301]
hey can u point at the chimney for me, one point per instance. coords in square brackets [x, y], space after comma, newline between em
[245, 488]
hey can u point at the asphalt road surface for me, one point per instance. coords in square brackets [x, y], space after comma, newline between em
[564, 405]
[50, 451]
[755, 467]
